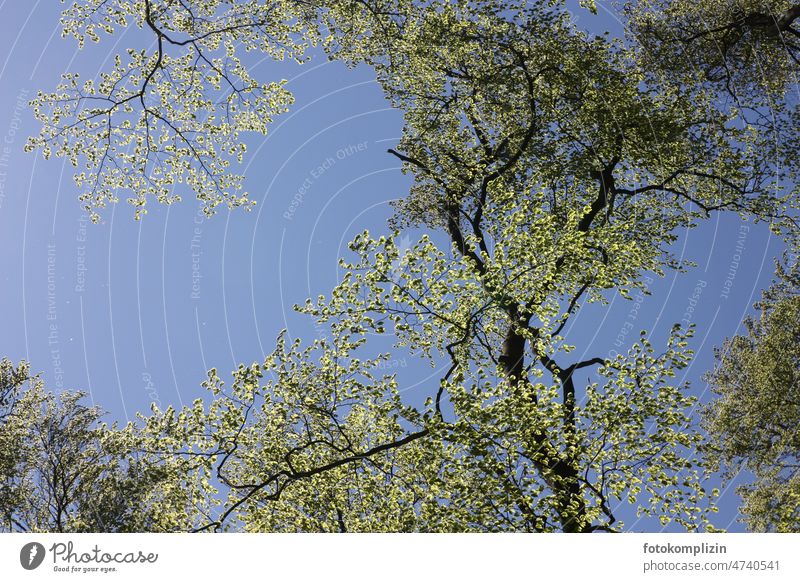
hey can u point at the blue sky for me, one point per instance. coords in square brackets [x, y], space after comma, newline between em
[134, 312]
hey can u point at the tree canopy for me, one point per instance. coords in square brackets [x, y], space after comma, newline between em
[558, 165]
[63, 470]
[749, 48]
[754, 421]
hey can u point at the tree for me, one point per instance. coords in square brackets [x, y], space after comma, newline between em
[754, 420]
[157, 121]
[748, 46]
[742, 56]
[63, 471]
[746, 54]
[327, 444]
[552, 169]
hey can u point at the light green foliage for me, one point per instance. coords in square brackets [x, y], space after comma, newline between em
[286, 448]
[158, 123]
[526, 100]
[747, 47]
[558, 170]
[63, 470]
[742, 57]
[317, 438]
[755, 419]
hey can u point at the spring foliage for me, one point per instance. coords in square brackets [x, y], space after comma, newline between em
[552, 168]
[754, 421]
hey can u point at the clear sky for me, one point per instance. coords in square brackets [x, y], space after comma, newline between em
[134, 312]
